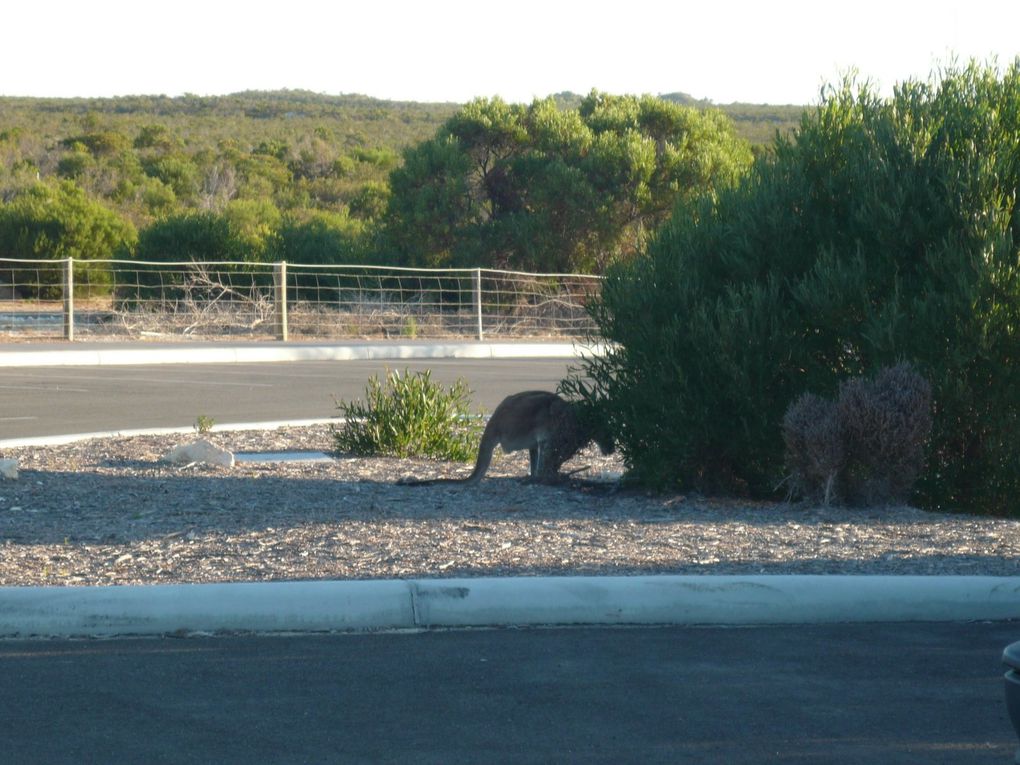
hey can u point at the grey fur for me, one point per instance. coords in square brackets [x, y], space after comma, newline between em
[541, 422]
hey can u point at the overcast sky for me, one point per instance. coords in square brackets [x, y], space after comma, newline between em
[455, 50]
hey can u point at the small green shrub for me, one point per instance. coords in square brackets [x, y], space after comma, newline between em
[204, 424]
[409, 416]
[865, 448]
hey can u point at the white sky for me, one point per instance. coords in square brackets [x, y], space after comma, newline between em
[455, 50]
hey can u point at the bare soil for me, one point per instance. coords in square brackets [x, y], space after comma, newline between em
[111, 511]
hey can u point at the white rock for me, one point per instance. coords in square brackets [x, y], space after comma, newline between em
[200, 451]
[9, 469]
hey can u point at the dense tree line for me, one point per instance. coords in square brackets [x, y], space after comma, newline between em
[573, 182]
[149, 157]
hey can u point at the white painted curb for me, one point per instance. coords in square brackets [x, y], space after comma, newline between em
[155, 354]
[775, 599]
[525, 601]
[162, 609]
[70, 438]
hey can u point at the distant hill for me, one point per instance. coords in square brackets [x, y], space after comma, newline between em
[382, 123]
[756, 123]
[369, 121]
[686, 99]
[759, 123]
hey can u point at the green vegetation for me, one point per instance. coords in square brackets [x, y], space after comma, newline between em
[540, 188]
[307, 177]
[758, 124]
[886, 231]
[254, 177]
[409, 416]
[204, 424]
[56, 221]
[148, 156]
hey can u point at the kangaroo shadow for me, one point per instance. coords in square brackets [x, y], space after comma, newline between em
[50, 507]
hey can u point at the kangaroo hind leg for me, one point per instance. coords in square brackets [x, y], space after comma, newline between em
[538, 458]
[546, 465]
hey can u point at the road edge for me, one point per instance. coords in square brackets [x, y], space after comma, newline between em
[70, 355]
[416, 604]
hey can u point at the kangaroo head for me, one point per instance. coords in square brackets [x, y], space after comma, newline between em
[595, 427]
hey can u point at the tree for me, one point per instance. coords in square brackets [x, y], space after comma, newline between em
[253, 226]
[320, 238]
[200, 237]
[56, 221]
[245, 231]
[175, 171]
[429, 203]
[157, 137]
[542, 188]
[369, 202]
[99, 144]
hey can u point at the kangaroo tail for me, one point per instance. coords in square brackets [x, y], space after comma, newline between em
[427, 481]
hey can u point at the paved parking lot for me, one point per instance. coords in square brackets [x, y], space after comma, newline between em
[891, 693]
[47, 401]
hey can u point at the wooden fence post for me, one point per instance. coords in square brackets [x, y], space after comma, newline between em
[478, 300]
[280, 299]
[69, 299]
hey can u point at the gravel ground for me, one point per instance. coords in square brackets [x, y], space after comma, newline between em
[111, 511]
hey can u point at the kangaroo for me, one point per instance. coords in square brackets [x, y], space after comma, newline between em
[541, 422]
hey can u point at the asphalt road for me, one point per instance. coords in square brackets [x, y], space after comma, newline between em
[63, 400]
[891, 694]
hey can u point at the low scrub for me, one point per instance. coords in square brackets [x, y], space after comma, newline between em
[409, 415]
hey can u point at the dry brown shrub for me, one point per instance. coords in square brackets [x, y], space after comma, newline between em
[885, 423]
[866, 448]
[814, 448]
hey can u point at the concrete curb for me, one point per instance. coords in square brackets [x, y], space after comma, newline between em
[70, 438]
[526, 601]
[255, 353]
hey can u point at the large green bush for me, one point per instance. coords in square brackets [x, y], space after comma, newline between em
[885, 230]
[238, 240]
[54, 221]
[197, 236]
[320, 238]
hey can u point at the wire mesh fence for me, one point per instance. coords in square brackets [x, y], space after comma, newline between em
[121, 299]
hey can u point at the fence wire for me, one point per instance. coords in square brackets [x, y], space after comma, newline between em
[120, 299]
